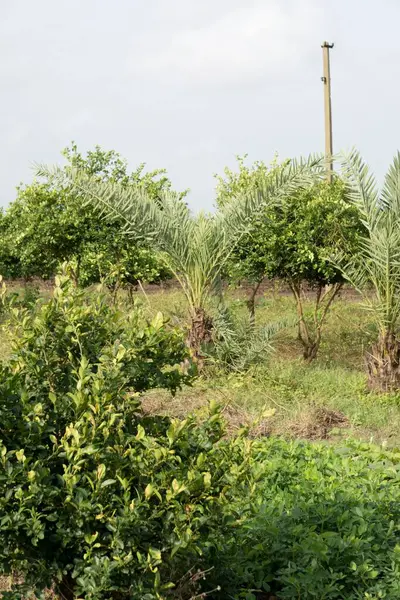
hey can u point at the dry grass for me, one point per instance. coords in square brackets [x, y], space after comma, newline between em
[317, 424]
[235, 416]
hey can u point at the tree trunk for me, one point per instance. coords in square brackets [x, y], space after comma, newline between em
[310, 350]
[200, 332]
[309, 331]
[66, 588]
[251, 302]
[383, 363]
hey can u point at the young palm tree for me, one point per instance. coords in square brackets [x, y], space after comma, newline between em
[195, 248]
[375, 270]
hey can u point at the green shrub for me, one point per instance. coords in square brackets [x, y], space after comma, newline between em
[101, 501]
[121, 266]
[50, 342]
[97, 499]
[325, 525]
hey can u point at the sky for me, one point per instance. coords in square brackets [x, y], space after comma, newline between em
[187, 85]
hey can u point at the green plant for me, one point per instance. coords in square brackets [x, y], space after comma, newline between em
[375, 269]
[49, 342]
[324, 525]
[97, 499]
[237, 344]
[294, 241]
[119, 266]
[247, 262]
[195, 248]
[49, 224]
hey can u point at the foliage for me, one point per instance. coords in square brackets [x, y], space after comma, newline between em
[109, 166]
[324, 525]
[9, 262]
[248, 262]
[295, 241]
[376, 265]
[237, 344]
[50, 342]
[82, 471]
[97, 498]
[47, 225]
[119, 264]
[196, 248]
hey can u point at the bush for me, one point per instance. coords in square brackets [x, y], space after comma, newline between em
[121, 266]
[50, 342]
[95, 498]
[325, 525]
[100, 501]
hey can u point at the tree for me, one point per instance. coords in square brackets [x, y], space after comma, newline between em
[47, 225]
[248, 261]
[195, 248]
[9, 263]
[374, 270]
[294, 241]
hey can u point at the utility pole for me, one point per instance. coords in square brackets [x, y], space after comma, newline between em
[326, 79]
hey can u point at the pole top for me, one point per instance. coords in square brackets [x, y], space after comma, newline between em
[327, 45]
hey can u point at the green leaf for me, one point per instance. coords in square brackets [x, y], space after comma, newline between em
[20, 455]
[107, 482]
[149, 491]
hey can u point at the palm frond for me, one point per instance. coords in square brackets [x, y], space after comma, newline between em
[375, 270]
[238, 344]
[195, 247]
[362, 186]
[391, 188]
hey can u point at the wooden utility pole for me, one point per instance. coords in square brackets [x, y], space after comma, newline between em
[328, 109]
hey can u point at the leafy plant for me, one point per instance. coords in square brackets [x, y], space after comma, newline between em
[237, 344]
[47, 225]
[324, 525]
[248, 262]
[97, 499]
[294, 241]
[50, 342]
[195, 248]
[374, 270]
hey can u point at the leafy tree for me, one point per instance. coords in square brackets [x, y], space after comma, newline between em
[374, 270]
[295, 241]
[248, 261]
[48, 225]
[195, 248]
[9, 263]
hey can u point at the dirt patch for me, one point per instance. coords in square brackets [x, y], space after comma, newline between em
[235, 417]
[5, 584]
[317, 424]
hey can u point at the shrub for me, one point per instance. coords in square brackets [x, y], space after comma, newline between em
[96, 499]
[48, 224]
[325, 525]
[122, 266]
[294, 240]
[50, 342]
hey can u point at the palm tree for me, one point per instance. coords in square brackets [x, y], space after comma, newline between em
[375, 270]
[195, 248]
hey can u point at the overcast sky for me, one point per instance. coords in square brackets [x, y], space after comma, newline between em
[188, 84]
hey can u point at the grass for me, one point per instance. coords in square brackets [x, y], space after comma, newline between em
[298, 394]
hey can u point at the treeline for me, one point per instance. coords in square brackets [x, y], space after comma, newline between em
[51, 221]
[282, 220]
